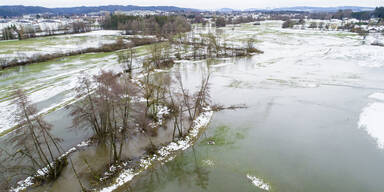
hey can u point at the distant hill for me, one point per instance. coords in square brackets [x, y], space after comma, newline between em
[254, 9]
[226, 10]
[324, 9]
[313, 9]
[300, 9]
[20, 10]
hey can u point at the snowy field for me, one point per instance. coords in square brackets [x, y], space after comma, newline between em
[50, 84]
[55, 44]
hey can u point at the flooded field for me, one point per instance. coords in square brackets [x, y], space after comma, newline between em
[312, 121]
[50, 84]
[311, 124]
[56, 44]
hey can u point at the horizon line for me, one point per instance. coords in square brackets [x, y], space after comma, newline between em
[265, 8]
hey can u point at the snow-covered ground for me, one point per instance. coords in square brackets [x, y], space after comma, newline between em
[44, 24]
[258, 182]
[15, 49]
[371, 118]
[50, 86]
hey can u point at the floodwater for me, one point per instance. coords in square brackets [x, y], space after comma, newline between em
[300, 132]
[305, 127]
[50, 84]
[56, 44]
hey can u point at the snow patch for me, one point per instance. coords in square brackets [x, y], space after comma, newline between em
[309, 85]
[84, 144]
[100, 33]
[24, 184]
[371, 119]
[259, 182]
[162, 112]
[377, 96]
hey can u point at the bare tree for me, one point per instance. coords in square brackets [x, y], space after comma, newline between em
[126, 58]
[106, 106]
[34, 140]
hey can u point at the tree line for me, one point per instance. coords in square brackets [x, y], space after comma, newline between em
[158, 25]
[342, 14]
[222, 21]
[25, 32]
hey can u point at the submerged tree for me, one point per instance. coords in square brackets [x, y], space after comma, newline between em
[33, 141]
[159, 57]
[6, 176]
[220, 22]
[106, 106]
[126, 58]
[288, 24]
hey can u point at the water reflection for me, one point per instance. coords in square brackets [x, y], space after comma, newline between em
[187, 169]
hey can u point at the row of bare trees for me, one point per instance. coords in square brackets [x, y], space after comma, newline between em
[222, 21]
[211, 45]
[28, 31]
[23, 59]
[21, 32]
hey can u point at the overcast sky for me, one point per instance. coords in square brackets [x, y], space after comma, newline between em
[201, 4]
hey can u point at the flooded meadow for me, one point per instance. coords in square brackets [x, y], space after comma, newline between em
[310, 118]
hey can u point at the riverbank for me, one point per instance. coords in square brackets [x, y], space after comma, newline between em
[105, 48]
[127, 173]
